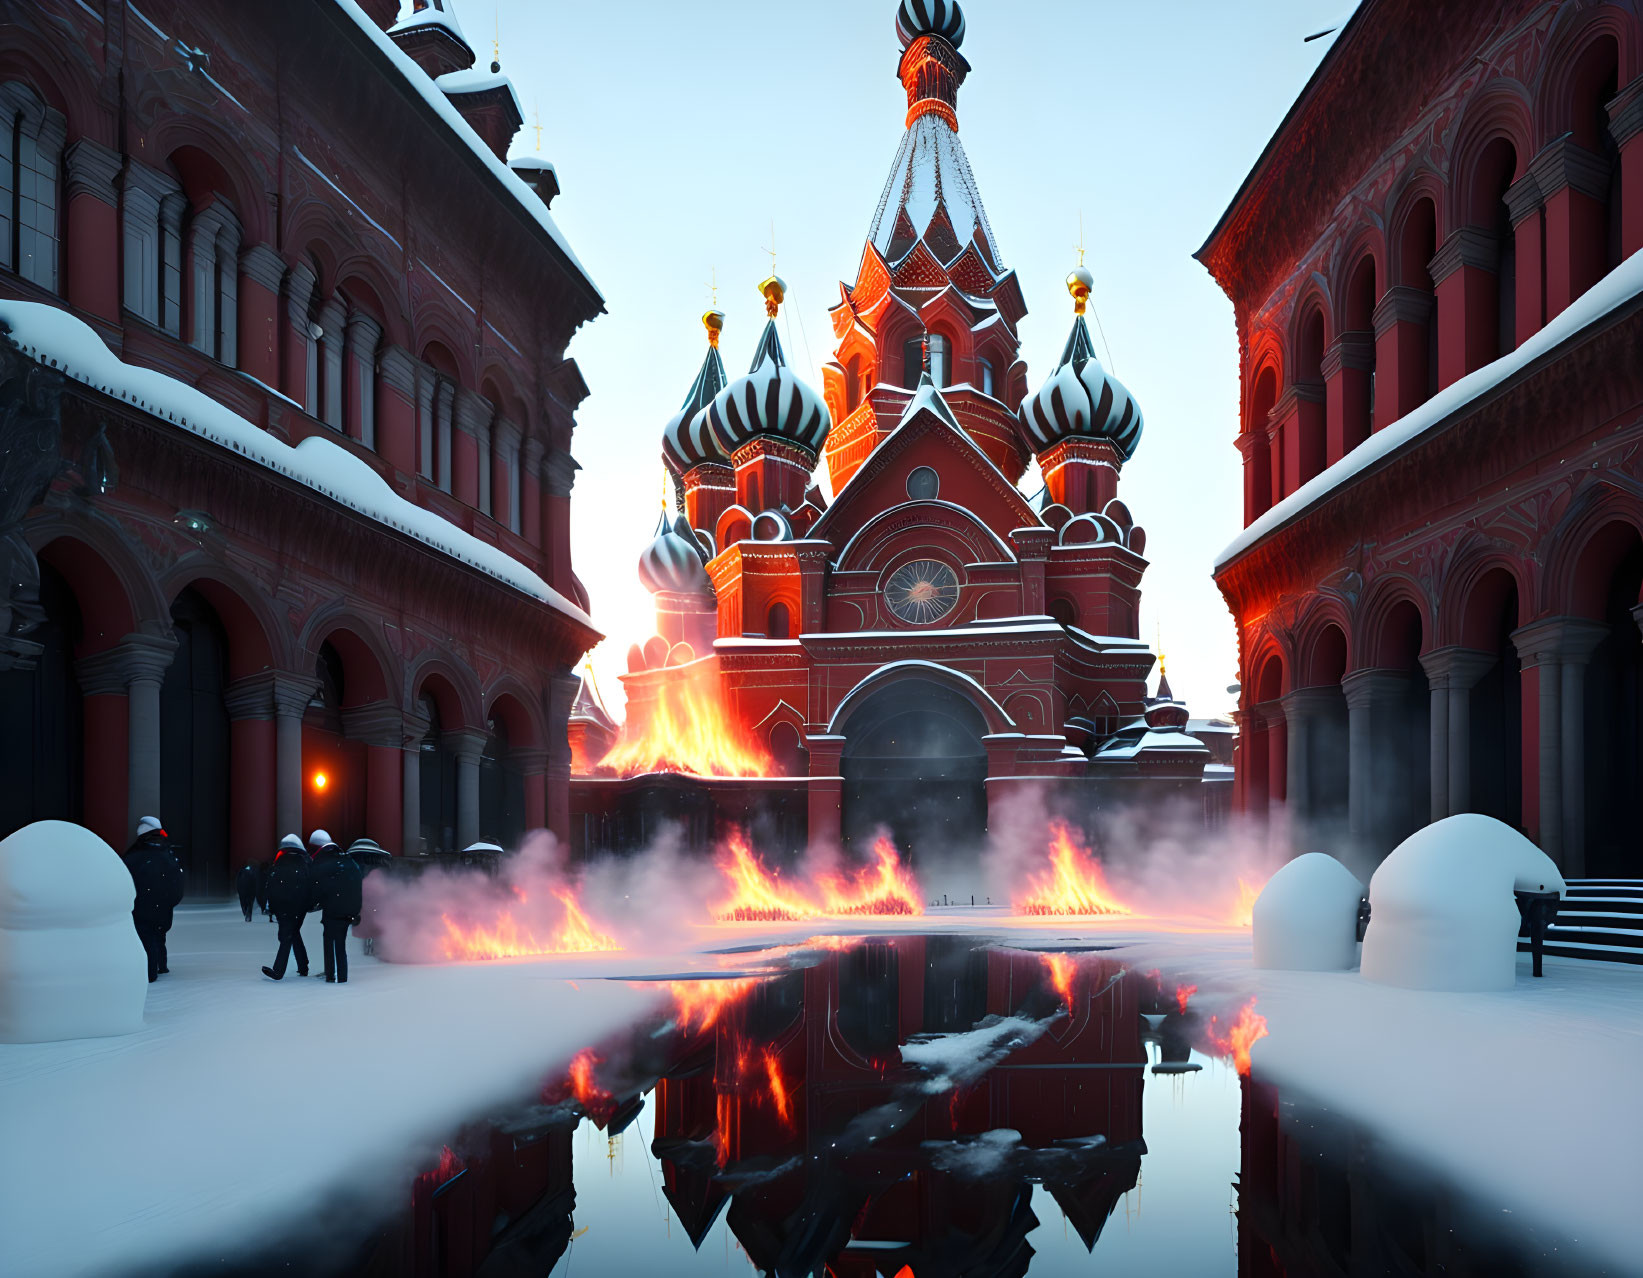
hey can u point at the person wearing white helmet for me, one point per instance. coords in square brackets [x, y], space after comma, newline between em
[158, 879]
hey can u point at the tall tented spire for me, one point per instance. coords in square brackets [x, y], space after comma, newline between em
[931, 195]
[686, 440]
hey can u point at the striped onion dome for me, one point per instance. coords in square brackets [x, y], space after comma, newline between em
[769, 401]
[1081, 398]
[915, 18]
[686, 440]
[673, 561]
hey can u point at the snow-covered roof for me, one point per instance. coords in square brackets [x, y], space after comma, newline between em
[473, 80]
[418, 80]
[437, 14]
[531, 163]
[58, 339]
[1151, 740]
[1613, 291]
[931, 171]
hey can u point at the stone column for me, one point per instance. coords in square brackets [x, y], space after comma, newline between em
[472, 421]
[1277, 746]
[1373, 700]
[1348, 365]
[1527, 215]
[291, 694]
[1575, 187]
[1626, 128]
[1401, 357]
[561, 696]
[252, 754]
[1032, 549]
[410, 789]
[1302, 431]
[468, 745]
[1256, 759]
[532, 766]
[826, 789]
[530, 492]
[138, 663]
[504, 466]
[102, 680]
[1302, 709]
[299, 351]
[332, 317]
[1452, 673]
[396, 409]
[558, 475]
[381, 726]
[92, 228]
[1465, 269]
[361, 335]
[1557, 649]
[261, 270]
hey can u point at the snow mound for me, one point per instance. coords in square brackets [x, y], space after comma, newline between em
[71, 965]
[1306, 918]
[1442, 914]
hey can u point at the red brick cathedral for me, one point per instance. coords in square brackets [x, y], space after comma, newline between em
[931, 639]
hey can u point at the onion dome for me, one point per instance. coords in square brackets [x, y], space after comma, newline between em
[915, 18]
[1165, 711]
[770, 401]
[686, 440]
[1081, 398]
[673, 560]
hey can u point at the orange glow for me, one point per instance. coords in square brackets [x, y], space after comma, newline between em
[757, 895]
[449, 1165]
[595, 1101]
[699, 1004]
[885, 887]
[1243, 911]
[1248, 1027]
[1183, 996]
[1074, 883]
[778, 1088]
[687, 727]
[506, 937]
[321, 780]
[1061, 968]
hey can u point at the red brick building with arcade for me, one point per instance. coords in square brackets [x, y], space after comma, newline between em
[287, 385]
[931, 640]
[1434, 268]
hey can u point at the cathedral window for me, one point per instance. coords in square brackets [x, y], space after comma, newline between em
[988, 378]
[31, 155]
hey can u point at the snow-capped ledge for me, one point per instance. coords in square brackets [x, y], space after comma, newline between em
[57, 339]
[431, 94]
[1610, 293]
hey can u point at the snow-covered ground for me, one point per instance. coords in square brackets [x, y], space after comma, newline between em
[242, 1101]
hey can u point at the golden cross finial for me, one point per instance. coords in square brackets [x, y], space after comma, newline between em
[664, 487]
[537, 117]
[1080, 245]
[772, 249]
[1158, 643]
[713, 286]
[496, 41]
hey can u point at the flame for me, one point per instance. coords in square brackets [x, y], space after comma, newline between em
[1243, 912]
[1183, 995]
[506, 937]
[1061, 968]
[593, 1099]
[756, 895]
[778, 1088]
[699, 1004]
[449, 1166]
[686, 727]
[1246, 1029]
[1074, 884]
[885, 887]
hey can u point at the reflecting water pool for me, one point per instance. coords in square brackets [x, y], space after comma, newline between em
[916, 1105]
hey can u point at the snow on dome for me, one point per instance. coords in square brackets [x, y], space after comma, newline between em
[71, 965]
[1306, 918]
[930, 173]
[672, 561]
[1081, 398]
[943, 18]
[1442, 915]
[769, 401]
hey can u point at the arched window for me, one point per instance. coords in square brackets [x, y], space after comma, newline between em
[1359, 405]
[777, 622]
[362, 340]
[212, 242]
[1487, 212]
[989, 377]
[940, 360]
[1417, 372]
[31, 158]
[1595, 83]
[1262, 477]
[436, 409]
[326, 701]
[436, 776]
[912, 362]
[852, 385]
[1311, 419]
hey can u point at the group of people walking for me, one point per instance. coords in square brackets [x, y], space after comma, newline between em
[301, 880]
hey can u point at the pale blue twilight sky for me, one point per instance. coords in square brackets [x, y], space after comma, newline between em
[680, 132]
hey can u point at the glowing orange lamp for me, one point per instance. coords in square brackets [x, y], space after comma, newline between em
[321, 780]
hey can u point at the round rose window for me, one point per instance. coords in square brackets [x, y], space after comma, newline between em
[921, 591]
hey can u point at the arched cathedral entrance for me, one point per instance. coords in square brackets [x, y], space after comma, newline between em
[914, 763]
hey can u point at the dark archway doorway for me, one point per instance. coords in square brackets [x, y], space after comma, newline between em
[915, 764]
[41, 709]
[194, 744]
[1614, 724]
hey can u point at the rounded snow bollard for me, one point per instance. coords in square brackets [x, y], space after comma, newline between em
[71, 965]
[1306, 918]
[1442, 915]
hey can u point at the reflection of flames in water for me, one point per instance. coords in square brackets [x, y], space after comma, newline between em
[1236, 1039]
[687, 728]
[778, 1088]
[1061, 968]
[1074, 883]
[449, 1166]
[1183, 996]
[699, 1004]
[507, 937]
[759, 896]
[1243, 912]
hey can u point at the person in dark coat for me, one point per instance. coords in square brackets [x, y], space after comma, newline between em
[290, 888]
[159, 881]
[264, 869]
[246, 885]
[339, 898]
